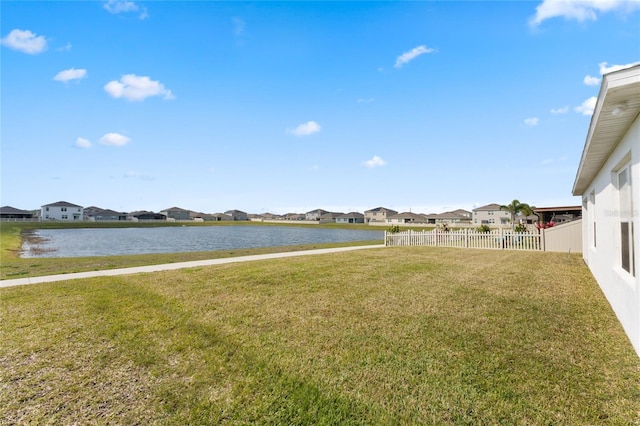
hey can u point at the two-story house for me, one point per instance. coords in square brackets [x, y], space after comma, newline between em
[379, 214]
[176, 213]
[314, 214]
[237, 214]
[491, 214]
[61, 210]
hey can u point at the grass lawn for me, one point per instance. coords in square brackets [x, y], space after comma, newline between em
[382, 336]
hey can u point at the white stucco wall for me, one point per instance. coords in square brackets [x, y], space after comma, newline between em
[619, 286]
[491, 217]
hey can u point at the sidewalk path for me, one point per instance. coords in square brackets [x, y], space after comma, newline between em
[171, 266]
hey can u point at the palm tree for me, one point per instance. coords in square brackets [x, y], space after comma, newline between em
[516, 208]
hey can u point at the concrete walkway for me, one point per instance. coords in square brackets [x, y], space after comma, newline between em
[172, 266]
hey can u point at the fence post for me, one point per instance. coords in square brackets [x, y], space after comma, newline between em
[542, 239]
[502, 244]
[466, 238]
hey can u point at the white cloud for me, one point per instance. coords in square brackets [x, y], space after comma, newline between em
[25, 41]
[114, 139]
[580, 10]
[587, 107]
[548, 161]
[558, 111]
[83, 143]
[65, 48]
[374, 162]
[606, 68]
[305, 129]
[591, 81]
[532, 121]
[365, 100]
[124, 6]
[136, 88]
[409, 56]
[70, 74]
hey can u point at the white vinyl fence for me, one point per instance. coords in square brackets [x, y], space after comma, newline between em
[467, 238]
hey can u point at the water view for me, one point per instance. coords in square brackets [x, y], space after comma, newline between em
[124, 241]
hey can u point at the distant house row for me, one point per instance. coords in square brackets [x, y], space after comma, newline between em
[490, 214]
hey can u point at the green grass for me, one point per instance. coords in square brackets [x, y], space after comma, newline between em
[382, 336]
[12, 266]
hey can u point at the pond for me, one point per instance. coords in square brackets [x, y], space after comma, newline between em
[79, 242]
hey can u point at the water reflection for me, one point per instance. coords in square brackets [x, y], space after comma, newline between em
[80, 242]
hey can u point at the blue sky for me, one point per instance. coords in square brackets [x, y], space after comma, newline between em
[291, 106]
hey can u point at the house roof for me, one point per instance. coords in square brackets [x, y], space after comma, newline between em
[355, 215]
[455, 214]
[317, 211]
[12, 210]
[381, 209]
[492, 206]
[61, 204]
[174, 209]
[617, 106]
[408, 215]
[108, 212]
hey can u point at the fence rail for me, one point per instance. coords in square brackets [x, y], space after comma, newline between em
[466, 238]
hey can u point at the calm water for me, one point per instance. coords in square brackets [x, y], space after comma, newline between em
[118, 241]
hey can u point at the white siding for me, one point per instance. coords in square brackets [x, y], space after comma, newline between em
[602, 251]
[61, 213]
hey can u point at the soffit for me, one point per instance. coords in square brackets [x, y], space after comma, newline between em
[617, 107]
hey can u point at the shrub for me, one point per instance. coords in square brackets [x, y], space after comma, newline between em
[394, 229]
[483, 228]
[521, 227]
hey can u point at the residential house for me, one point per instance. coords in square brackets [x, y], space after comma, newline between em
[237, 215]
[608, 180]
[89, 212]
[453, 217]
[294, 216]
[61, 210]
[407, 217]
[8, 212]
[176, 213]
[329, 217]
[145, 215]
[491, 214]
[315, 214]
[108, 215]
[220, 217]
[200, 217]
[379, 214]
[271, 216]
[352, 217]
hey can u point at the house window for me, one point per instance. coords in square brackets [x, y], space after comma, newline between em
[592, 214]
[64, 216]
[63, 209]
[625, 198]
